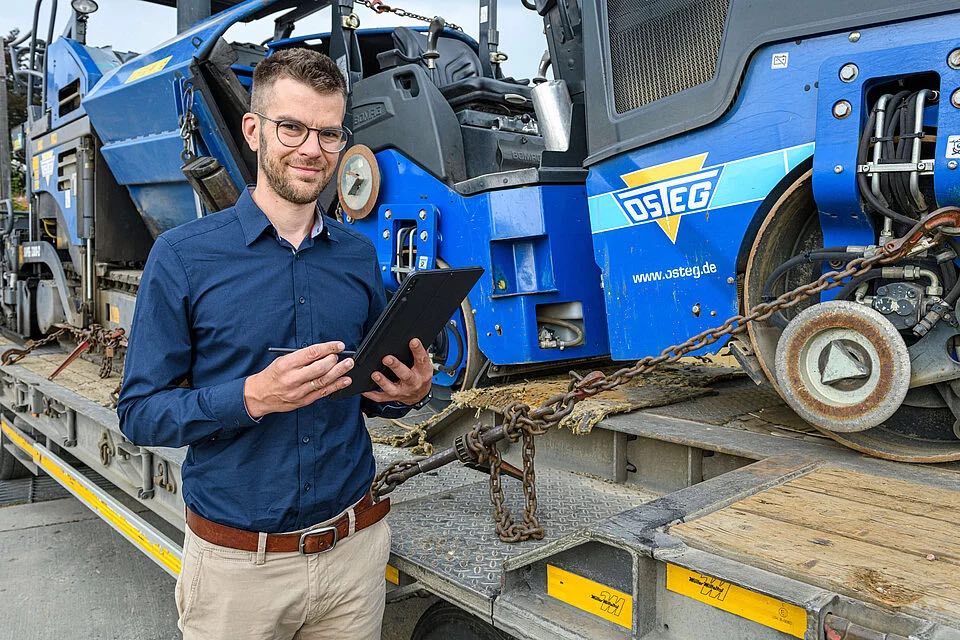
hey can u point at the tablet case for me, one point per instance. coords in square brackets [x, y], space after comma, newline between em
[421, 307]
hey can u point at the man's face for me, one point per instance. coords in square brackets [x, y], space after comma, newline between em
[296, 174]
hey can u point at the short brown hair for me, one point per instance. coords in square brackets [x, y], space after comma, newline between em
[312, 68]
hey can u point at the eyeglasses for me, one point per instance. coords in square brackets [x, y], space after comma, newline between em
[291, 133]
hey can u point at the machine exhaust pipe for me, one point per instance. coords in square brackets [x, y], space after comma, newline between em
[554, 108]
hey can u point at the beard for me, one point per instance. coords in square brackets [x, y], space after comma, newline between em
[291, 190]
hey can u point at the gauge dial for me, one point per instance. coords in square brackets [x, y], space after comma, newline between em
[358, 182]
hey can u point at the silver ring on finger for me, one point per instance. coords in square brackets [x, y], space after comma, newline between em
[313, 383]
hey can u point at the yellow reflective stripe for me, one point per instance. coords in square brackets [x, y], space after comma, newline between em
[592, 597]
[762, 609]
[392, 574]
[163, 555]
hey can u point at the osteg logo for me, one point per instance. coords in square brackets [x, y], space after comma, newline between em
[664, 193]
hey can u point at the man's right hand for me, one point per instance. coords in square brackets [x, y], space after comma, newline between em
[296, 380]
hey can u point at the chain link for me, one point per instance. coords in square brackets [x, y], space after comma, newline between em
[188, 125]
[109, 339]
[377, 6]
[15, 355]
[522, 423]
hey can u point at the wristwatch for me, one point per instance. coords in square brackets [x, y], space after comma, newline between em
[423, 401]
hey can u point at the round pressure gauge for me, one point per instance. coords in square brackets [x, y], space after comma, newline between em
[358, 182]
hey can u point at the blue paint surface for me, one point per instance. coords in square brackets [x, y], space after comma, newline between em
[659, 292]
[533, 242]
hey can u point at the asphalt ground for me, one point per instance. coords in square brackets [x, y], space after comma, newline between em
[66, 575]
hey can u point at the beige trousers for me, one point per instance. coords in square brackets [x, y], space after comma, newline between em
[231, 594]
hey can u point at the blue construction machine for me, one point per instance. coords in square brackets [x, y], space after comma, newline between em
[674, 164]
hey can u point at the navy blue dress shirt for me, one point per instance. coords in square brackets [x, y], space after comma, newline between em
[214, 295]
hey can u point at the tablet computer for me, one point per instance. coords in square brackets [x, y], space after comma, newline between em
[421, 308]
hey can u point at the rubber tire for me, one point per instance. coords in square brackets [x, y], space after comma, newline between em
[444, 621]
[10, 467]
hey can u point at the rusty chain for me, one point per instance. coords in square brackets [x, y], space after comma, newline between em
[97, 335]
[378, 6]
[15, 355]
[479, 446]
[110, 340]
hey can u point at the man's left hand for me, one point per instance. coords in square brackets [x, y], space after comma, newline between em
[413, 383]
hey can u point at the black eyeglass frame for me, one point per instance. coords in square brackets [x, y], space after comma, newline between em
[306, 135]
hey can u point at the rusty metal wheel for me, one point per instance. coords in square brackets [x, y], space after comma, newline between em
[842, 367]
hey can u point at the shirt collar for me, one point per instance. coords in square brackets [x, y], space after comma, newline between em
[254, 221]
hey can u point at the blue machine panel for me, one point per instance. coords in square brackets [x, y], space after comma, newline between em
[136, 111]
[533, 243]
[73, 70]
[669, 220]
[907, 51]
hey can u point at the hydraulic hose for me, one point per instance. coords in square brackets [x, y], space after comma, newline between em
[948, 271]
[847, 289]
[953, 295]
[557, 322]
[864, 185]
[819, 256]
[890, 185]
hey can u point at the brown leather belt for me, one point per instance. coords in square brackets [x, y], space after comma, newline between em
[316, 540]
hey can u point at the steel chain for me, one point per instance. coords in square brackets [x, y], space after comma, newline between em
[109, 339]
[188, 125]
[15, 355]
[377, 6]
[520, 422]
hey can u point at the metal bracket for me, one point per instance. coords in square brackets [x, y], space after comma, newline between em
[164, 477]
[107, 450]
[925, 167]
[146, 474]
[71, 439]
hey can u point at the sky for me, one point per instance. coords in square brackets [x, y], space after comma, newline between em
[134, 25]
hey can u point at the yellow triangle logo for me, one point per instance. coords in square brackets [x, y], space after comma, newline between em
[671, 224]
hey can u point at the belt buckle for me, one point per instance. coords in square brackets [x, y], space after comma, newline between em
[316, 532]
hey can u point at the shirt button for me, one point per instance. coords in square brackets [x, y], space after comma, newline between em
[303, 345]
[306, 439]
[306, 487]
[302, 299]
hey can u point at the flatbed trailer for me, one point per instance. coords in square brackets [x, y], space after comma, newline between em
[722, 516]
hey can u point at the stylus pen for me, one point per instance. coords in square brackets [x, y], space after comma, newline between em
[281, 350]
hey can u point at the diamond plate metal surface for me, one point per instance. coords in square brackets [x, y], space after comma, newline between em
[447, 523]
[733, 399]
[426, 484]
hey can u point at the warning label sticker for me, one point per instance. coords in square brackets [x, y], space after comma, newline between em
[762, 609]
[953, 147]
[46, 166]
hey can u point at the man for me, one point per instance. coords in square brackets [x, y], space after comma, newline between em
[269, 457]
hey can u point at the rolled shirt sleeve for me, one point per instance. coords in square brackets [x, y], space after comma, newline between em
[154, 408]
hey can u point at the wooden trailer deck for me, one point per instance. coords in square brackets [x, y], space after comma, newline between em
[882, 540]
